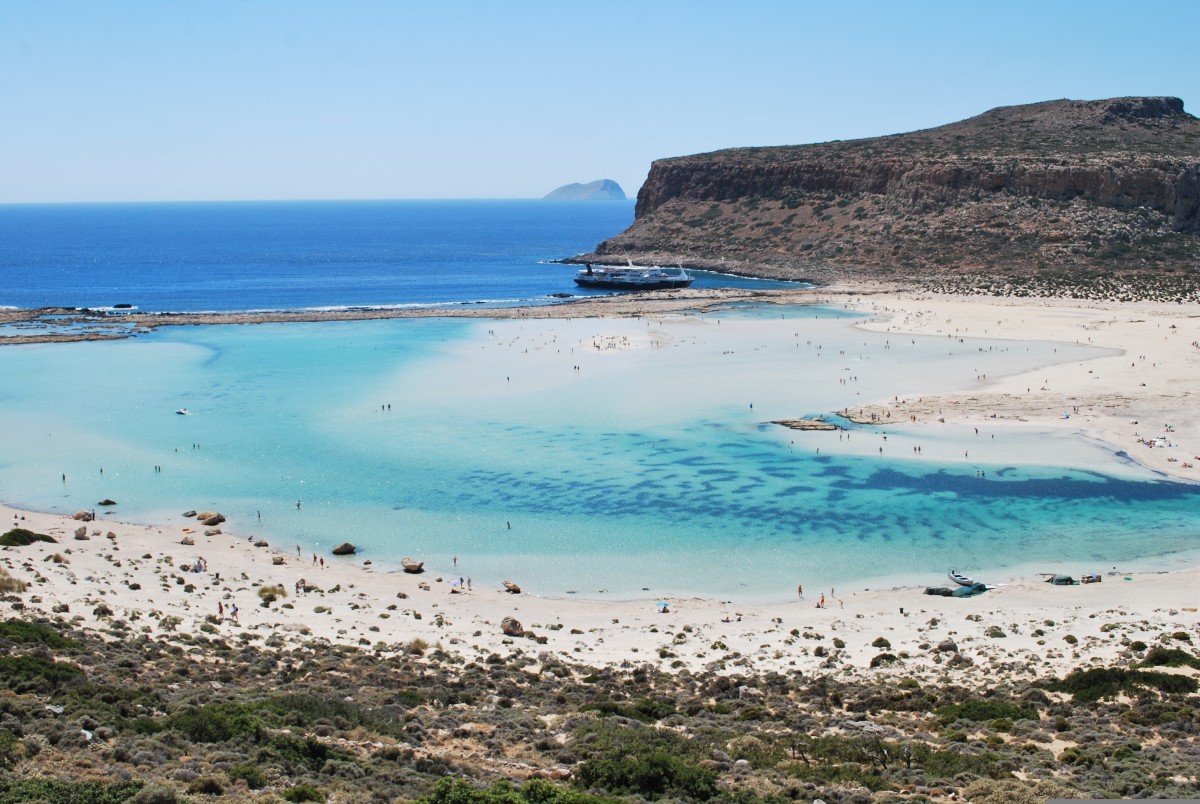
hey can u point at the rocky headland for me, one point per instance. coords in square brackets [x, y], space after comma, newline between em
[1082, 198]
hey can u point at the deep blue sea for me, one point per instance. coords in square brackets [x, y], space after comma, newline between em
[591, 456]
[189, 257]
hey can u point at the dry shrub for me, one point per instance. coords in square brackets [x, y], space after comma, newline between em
[1010, 791]
[269, 594]
[9, 584]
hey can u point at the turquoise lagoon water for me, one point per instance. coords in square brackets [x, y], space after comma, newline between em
[613, 457]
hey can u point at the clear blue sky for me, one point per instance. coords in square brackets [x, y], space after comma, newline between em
[107, 100]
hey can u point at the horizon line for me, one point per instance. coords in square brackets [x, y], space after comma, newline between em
[113, 202]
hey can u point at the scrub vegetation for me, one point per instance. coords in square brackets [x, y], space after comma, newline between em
[169, 717]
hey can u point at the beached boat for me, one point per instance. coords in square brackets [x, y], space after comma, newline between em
[632, 277]
[960, 579]
[412, 565]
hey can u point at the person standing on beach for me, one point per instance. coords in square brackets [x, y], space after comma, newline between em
[233, 612]
[800, 590]
[221, 610]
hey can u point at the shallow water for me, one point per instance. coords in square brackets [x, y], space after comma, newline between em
[596, 457]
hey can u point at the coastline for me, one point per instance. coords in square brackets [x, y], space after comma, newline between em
[143, 576]
[1153, 346]
[613, 306]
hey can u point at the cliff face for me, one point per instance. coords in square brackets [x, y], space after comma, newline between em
[1068, 192]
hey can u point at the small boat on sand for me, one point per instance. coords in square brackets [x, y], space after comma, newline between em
[960, 579]
[412, 565]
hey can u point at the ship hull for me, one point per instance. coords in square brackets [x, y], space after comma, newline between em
[617, 284]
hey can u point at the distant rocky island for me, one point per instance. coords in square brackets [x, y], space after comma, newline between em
[1091, 198]
[599, 190]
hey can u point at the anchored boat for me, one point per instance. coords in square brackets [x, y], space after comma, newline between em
[632, 277]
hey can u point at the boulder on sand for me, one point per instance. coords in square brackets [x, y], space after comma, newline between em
[82, 516]
[512, 627]
[81, 533]
[344, 549]
[189, 514]
[215, 519]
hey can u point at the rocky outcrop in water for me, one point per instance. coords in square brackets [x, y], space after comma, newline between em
[1100, 195]
[600, 190]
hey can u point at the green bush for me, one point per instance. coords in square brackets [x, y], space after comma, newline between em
[217, 723]
[28, 633]
[651, 775]
[32, 674]
[645, 710]
[1108, 682]
[299, 751]
[53, 791]
[984, 711]
[535, 791]
[11, 750]
[647, 762]
[206, 786]
[250, 774]
[303, 792]
[1169, 657]
[19, 537]
[884, 659]
[305, 709]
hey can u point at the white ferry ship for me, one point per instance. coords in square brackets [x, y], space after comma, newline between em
[633, 277]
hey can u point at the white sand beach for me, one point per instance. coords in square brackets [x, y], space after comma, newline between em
[147, 578]
[1141, 392]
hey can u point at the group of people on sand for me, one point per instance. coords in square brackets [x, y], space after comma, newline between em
[233, 611]
[821, 602]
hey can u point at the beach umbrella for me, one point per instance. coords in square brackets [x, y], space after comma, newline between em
[662, 604]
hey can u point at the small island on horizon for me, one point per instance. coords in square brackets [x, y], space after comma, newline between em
[599, 190]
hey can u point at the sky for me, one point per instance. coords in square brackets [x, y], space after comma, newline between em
[171, 100]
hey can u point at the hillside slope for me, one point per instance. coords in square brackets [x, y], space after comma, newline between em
[1084, 197]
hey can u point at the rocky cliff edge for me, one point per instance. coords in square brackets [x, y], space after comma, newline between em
[1079, 197]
